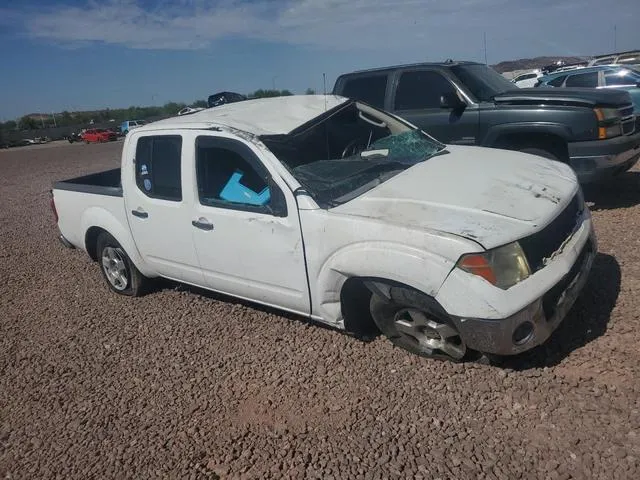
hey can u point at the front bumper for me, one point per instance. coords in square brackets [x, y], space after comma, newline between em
[600, 159]
[538, 320]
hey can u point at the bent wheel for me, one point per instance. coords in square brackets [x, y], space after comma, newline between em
[416, 323]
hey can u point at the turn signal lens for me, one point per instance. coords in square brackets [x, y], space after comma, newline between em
[503, 266]
[478, 265]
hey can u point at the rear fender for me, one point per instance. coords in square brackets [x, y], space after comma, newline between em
[376, 262]
[102, 218]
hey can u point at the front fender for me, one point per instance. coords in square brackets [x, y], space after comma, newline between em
[496, 131]
[392, 261]
[104, 219]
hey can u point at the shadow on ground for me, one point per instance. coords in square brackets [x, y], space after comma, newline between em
[586, 321]
[622, 191]
[163, 284]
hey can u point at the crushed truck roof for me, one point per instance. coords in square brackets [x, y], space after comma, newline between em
[264, 116]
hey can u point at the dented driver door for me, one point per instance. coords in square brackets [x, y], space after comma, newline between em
[245, 226]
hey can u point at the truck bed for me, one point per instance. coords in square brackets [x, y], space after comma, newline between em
[107, 182]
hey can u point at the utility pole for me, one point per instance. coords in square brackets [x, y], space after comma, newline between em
[485, 49]
[54, 119]
[273, 82]
[615, 38]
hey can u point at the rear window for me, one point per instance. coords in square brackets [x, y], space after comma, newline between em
[557, 82]
[621, 77]
[589, 80]
[370, 89]
[157, 163]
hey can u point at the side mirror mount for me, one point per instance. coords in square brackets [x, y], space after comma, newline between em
[278, 203]
[452, 101]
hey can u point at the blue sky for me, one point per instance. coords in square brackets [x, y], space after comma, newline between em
[80, 54]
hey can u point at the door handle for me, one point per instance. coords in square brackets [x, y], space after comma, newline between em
[139, 213]
[202, 224]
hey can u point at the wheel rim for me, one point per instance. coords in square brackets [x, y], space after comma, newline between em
[115, 268]
[429, 333]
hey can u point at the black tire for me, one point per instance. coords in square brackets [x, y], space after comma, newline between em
[390, 314]
[130, 282]
[541, 153]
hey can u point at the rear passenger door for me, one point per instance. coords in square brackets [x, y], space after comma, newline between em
[246, 227]
[417, 99]
[158, 210]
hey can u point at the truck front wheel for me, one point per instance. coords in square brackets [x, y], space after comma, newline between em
[118, 270]
[415, 322]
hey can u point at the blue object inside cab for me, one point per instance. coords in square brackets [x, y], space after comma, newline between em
[236, 192]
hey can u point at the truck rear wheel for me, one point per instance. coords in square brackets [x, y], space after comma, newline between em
[118, 270]
[415, 322]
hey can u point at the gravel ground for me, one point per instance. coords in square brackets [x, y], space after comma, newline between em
[185, 384]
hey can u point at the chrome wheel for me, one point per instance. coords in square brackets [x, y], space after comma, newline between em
[115, 268]
[429, 333]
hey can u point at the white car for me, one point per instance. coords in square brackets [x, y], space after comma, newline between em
[527, 80]
[342, 213]
[187, 110]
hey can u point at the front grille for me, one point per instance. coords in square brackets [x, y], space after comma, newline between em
[628, 120]
[543, 244]
[550, 299]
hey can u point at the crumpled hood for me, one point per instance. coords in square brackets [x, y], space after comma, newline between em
[487, 195]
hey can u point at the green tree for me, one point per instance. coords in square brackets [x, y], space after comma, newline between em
[27, 123]
[310, 91]
[261, 93]
[9, 125]
[66, 119]
[171, 108]
[199, 104]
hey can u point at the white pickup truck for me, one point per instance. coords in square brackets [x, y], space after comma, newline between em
[345, 214]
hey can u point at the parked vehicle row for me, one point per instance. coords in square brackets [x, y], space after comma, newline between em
[93, 135]
[128, 125]
[467, 103]
[602, 76]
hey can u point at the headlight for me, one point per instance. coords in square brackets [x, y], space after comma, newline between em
[503, 266]
[609, 125]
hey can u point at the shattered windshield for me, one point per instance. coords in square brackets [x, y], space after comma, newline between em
[337, 181]
[351, 152]
[483, 82]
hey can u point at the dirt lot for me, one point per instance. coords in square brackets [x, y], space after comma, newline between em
[183, 384]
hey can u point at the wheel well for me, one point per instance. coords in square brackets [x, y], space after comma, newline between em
[91, 241]
[354, 301]
[544, 141]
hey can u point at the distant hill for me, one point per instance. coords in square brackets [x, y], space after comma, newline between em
[532, 63]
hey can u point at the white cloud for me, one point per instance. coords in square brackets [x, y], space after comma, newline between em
[193, 24]
[341, 24]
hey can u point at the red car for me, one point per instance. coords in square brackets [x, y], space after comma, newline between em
[98, 135]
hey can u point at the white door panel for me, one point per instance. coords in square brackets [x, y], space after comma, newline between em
[244, 250]
[161, 226]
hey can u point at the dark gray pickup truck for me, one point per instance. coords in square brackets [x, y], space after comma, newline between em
[467, 103]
